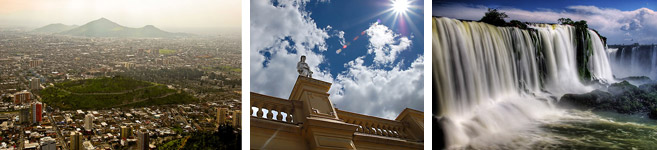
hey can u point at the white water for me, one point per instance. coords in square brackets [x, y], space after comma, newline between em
[599, 64]
[634, 61]
[490, 81]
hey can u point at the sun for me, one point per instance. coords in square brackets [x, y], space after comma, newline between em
[400, 6]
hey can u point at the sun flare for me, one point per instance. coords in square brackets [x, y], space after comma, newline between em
[400, 6]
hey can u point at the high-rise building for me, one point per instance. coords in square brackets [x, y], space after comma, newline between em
[36, 112]
[221, 115]
[76, 141]
[35, 84]
[88, 122]
[128, 65]
[125, 132]
[22, 97]
[36, 63]
[237, 119]
[48, 143]
[24, 116]
[142, 140]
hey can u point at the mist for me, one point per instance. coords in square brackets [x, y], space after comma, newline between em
[196, 16]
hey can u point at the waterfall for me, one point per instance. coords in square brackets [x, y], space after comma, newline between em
[492, 81]
[599, 64]
[634, 60]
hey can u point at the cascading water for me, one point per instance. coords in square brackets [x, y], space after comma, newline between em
[599, 64]
[634, 60]
[493, 81]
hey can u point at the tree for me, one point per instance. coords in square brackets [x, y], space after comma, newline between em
[565, 21]
[494, 17]
[516, 23]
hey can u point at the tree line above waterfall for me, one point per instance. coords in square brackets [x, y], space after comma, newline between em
[584, 48]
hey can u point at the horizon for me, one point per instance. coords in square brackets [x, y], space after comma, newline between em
[173, 30]
[205, 17]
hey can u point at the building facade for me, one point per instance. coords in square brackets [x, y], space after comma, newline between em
[22, 97]
[88, 122]
[48, 143]
[308, 120]
[237, 119]
[24, 116]
[221, 115]
[142, 140]
[37, 112]
[126, 132]
[35, 84]
[76, 141]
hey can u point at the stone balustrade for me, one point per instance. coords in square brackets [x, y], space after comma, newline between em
[373, 125]
[272, 108]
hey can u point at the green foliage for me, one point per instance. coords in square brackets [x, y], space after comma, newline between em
[89, 94]
[516, 23]
[102, 85]
[565, 21]
[177, 98]
[167, 51]
[6, 99]
[494, 17]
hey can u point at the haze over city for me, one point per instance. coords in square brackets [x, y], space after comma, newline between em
[204, 17]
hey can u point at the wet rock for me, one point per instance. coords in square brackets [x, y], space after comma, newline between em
[622, 88]
[586, 100]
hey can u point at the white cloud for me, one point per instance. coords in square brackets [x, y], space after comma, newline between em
[384, 93]
[278, 42]
[385, 44]
[341, 36]
[620, 27]
[273, 35]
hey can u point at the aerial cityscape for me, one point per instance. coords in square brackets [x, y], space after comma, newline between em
[105, 85]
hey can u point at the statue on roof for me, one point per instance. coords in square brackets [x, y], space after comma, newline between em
[303, 69]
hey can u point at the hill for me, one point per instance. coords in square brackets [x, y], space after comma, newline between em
[102, 93]
[54, 28]
[106, 28]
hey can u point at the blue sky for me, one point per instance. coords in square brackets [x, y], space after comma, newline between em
[557, 4]
[622, 22]
[354, 17]
[372, 55]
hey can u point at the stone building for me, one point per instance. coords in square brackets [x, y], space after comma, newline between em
[308, 120]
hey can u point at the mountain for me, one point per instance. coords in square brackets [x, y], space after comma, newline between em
[54, 28]
[106, 28]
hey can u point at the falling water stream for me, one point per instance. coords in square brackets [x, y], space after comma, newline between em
[496, 89]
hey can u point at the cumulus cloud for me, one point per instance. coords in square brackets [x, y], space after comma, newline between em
[635, 24]
[278, 42]
[385, 44]
[385, 93]
[620, 27]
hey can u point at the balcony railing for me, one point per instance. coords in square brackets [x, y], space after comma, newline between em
[272, 108]
[286, 111]
[373, 125]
